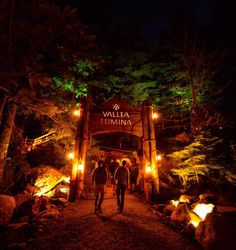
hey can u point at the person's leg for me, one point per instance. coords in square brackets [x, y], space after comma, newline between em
[118, 196]
[123, 188]
[96, 195]
[102, 193]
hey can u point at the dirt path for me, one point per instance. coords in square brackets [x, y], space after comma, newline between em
[137, 228]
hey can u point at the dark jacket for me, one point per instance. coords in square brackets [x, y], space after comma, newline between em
[99, 176]
[122, 175]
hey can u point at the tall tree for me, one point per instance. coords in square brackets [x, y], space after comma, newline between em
[38, 41]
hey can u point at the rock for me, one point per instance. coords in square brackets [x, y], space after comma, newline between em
[217, 232]
[180, 215]
[7, 207]
[22, 197]
[45, 178]
[169, 209]
[225, 209]
[59, 201]
[186, 198]
[207, 198]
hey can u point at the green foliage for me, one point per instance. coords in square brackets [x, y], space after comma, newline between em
[83, 67]
[198, 163]
[71, 86]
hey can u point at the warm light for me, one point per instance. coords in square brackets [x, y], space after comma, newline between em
[76, 112]
[80, 167]
[175, 203]
[158, 157]
[148, 169]
[182, 198]
[71, 155]
[44, 186]
[64, 190]
[66, 179]
[194, 223]
[155, 115]
[203, 209]
[199, 213]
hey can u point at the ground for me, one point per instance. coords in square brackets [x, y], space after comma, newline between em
[78, 228]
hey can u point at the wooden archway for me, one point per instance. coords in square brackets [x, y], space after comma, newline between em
[115, 116]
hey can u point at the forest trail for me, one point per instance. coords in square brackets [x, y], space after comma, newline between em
[78, 228]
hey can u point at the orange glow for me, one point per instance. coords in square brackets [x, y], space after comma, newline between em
[184, 199]
[155, 115]
[67, 179]
[80, 167]
[71, 155]
[158, 157]
[199, 213]
[175, 203]
[76, 112]
[148, 169]
[203, 209]
[64, 190]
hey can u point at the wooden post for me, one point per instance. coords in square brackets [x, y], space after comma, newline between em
[153, 149]
[83, 148]
[74, 171]
[149, 150]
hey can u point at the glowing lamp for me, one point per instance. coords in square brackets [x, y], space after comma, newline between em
[158, 157]
[80, 167]
[154, 115]
[76, 112]
[71, 155]
[148, 169]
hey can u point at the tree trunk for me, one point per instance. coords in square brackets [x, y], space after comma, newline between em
[2, 105]
[6, 133]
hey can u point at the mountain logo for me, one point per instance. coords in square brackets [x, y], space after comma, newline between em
[116, 106]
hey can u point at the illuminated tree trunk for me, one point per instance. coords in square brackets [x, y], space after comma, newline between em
[6, 133]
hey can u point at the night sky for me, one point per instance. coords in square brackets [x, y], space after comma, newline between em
[152, 15]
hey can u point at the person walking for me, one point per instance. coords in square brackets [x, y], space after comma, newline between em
[121, 178]
[112, 168]
[134, 172]
[99, 181]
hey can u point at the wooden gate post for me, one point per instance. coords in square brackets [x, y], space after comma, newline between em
[74, 171]
[83, 147]
[149, 151]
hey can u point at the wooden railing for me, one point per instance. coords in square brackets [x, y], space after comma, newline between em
[32, 143]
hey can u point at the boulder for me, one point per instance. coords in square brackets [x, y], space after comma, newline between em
[7, 207]
[169, 209]
[181, 215]
[217, 232]
[45, 179]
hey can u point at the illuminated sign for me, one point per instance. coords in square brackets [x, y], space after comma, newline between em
[116, 116]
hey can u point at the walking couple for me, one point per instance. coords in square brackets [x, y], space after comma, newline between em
[99, 180]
